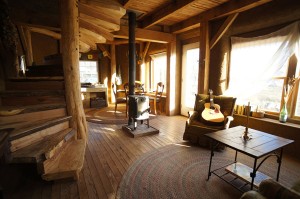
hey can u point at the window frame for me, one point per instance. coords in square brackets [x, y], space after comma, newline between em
[97, 67]
[153, 84]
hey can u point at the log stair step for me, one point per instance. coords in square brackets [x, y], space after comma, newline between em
[4, 144]
[30, 108]
[44, 149]
[66, 164]
[35, 83]
[24, 93]
[37, 126]
[32, 97]
[22, 114]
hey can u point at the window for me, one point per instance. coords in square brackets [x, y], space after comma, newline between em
[260, 68]
[158, 69]
[297, 112]
[88, 72]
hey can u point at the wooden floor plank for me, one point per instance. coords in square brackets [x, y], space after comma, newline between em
[106, 166]
[55, 190]
[92, 193]
[109, 153]
[97, 184]
[82, 189]
[114, 158]
[101, 181]
[107, 162]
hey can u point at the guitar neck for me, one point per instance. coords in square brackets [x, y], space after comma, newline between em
[211, 100]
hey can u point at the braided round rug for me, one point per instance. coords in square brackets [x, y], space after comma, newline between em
[107, 115]
[179, 171]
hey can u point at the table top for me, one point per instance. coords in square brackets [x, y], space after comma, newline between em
[260, 144]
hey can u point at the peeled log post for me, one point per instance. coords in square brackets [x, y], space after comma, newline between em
[70, 54]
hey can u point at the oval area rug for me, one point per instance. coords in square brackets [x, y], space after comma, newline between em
[178, 171]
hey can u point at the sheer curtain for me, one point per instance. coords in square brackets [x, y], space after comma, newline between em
[254, 61]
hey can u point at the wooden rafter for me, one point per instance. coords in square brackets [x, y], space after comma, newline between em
[145, 35]
[104, 51]
[165, 12]
[125, 3]
[145, 51]
[29, 55]
[39, 26]
[118, 42]
[222, 10]
[47, 32]
[230, 19]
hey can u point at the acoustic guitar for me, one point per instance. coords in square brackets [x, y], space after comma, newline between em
[211, 112]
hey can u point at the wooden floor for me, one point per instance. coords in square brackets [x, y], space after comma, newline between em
[109, 153]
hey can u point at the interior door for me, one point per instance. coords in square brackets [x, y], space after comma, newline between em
[189, 79]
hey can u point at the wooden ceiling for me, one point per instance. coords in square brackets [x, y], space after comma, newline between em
[105, 21]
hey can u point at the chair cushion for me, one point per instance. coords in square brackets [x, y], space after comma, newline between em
[296, 186]
[272, 189]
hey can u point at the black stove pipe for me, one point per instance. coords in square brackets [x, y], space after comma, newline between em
[132, 52]
[132, 66]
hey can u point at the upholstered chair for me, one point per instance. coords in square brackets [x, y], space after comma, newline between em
[270, 189]
[196, 127]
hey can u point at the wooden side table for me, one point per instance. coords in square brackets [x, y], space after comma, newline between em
[260, 145]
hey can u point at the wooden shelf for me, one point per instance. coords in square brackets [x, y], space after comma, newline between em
[243, 172]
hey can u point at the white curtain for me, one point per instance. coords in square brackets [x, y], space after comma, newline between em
[254, 61]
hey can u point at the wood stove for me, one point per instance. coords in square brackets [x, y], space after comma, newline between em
[138, 110]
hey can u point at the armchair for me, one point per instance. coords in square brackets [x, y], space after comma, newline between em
[196, 127]
[269, 189]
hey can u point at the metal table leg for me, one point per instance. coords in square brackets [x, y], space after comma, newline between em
[279, 163]
[211, 155]
[253, 174]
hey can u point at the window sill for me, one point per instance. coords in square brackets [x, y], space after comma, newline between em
[273, 126]
[271, 119]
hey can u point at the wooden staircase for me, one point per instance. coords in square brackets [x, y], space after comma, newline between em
[41, 132]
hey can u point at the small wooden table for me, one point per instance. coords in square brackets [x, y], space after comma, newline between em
[260, 145]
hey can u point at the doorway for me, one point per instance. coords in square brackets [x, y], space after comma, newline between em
[189, 83]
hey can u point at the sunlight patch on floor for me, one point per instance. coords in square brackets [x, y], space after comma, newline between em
[109, 129]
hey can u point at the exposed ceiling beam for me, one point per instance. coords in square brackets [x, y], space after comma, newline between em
[38, 26]
[222, 10]
[104, 51]
[96, 29]
[47, 32]
[120, 41]
[145, 35]
[230, 19]
[145, 51]
[165, 12]
[126, 3]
